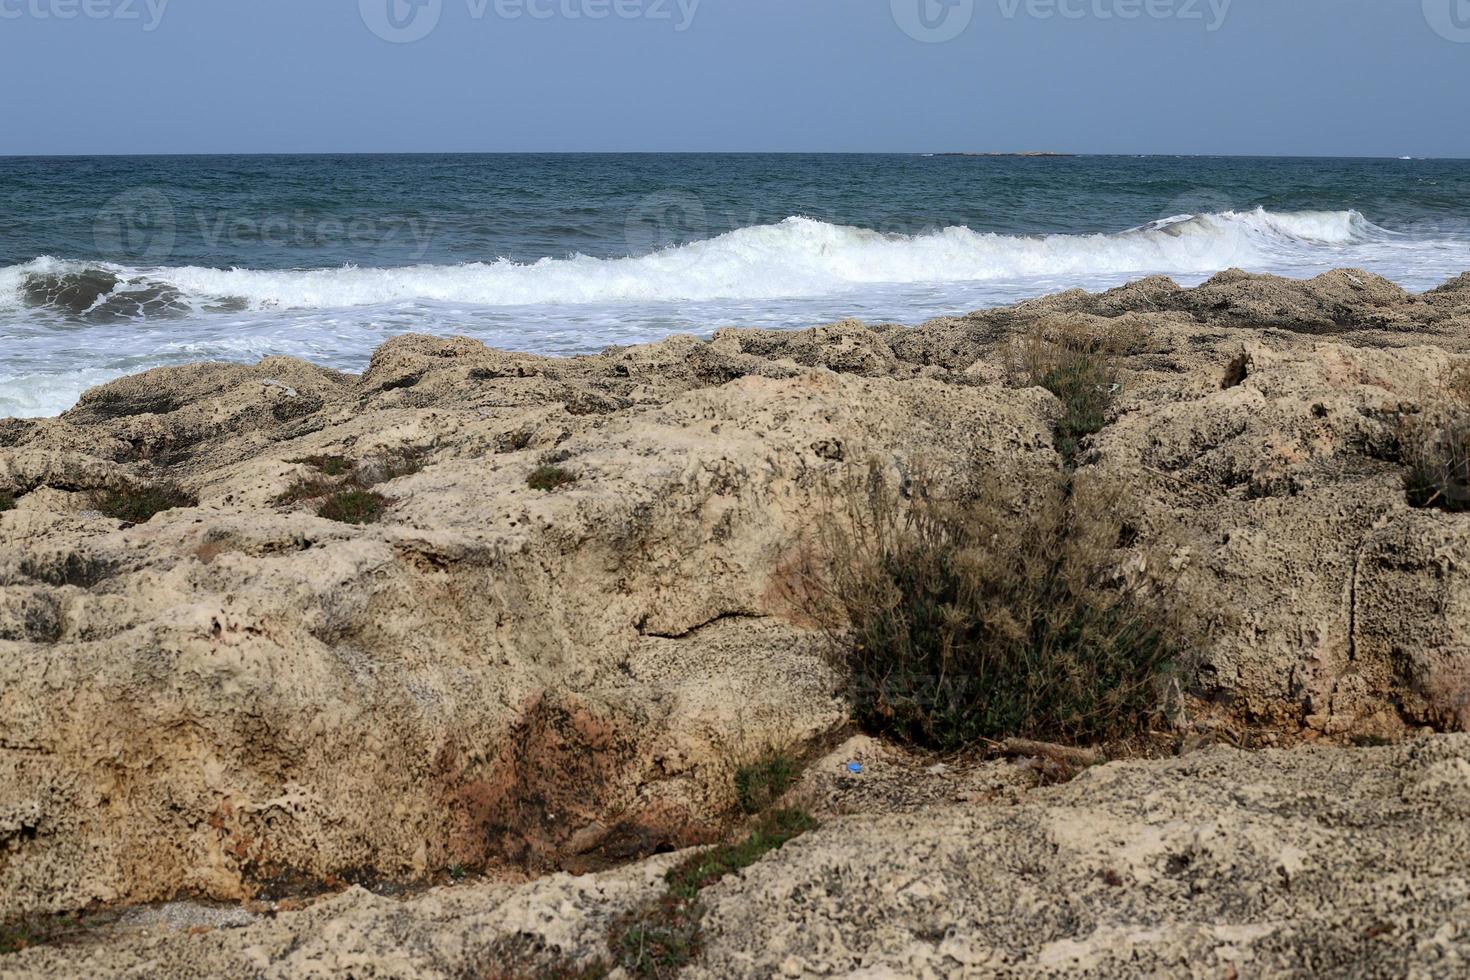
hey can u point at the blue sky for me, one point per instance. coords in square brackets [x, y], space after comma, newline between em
[1313, 77]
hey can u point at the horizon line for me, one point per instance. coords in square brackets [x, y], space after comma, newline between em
[967, 154]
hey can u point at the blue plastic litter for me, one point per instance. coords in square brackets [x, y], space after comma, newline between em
[855, 767]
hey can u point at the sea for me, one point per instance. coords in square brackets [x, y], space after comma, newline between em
[112, 265]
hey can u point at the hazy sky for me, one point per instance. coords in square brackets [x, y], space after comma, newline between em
[1329, 77]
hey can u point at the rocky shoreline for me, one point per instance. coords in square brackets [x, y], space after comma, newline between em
[558, 630]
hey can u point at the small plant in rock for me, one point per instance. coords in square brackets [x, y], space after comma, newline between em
[1438, 473]
[773, 832]
[392, 465]
[328, 465]
[1079, 364]
[661, 938]
[763, 782]
[309, 488]
[549, 478]
[963, 617]
[354, 507]
[13, 940]
[7, 501]
[139, 503]
[457, 872]
[22, 934]
[657, 940]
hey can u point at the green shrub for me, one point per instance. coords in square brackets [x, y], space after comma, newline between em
[549, 478]
[971, 618]
[138, 504]
[763, 782]
[354, 507]
[1438, 473]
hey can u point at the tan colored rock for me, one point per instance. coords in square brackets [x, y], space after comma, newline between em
[242, 698]
[1304, 863]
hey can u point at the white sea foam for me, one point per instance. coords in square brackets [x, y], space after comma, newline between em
[794, 273]
[795, 258]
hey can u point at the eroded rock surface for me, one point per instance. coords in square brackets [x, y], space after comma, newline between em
[1309, 862]
[240, 699]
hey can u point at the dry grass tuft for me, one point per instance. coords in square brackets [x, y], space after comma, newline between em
[1079, 362]
[1438, 464]
[549, 478]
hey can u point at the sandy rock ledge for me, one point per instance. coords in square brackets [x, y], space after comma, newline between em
[241, 701]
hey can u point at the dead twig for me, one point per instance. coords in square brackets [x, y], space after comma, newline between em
[1067, 756]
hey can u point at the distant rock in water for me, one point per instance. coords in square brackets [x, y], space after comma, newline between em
[1027, 154]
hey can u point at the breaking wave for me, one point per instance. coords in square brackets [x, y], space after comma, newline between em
[798, 257]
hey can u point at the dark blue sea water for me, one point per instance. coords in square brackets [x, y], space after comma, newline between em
[112, 264]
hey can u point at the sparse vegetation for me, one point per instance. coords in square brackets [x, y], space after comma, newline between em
[140, 503]
[1438, 473]
[328, 465]
[309, 488]
[354, 507]
[657, 940]
[968, 618]
[391, 466]
[662, 937]
[1079, 364]
[347, 486]
[14, 938]
[761, 783]
[549, 478]
[772, 832]
[7, 501]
